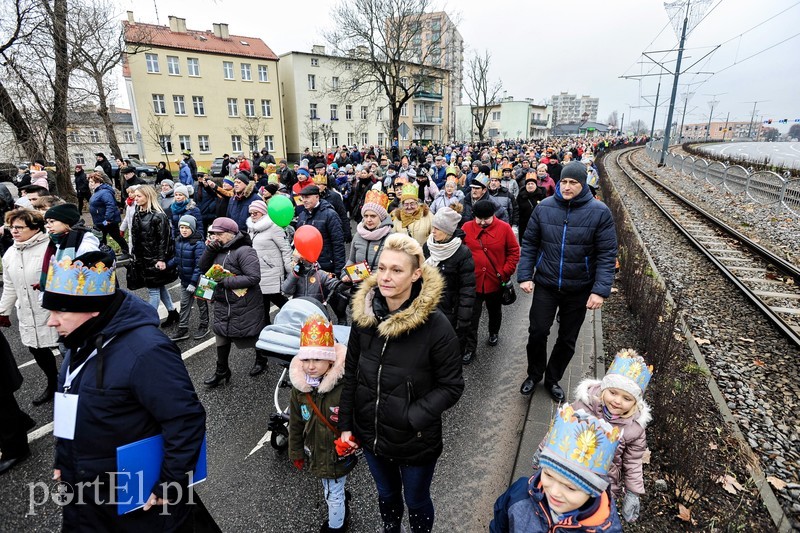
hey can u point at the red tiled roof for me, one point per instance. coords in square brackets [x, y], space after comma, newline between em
[201, 41]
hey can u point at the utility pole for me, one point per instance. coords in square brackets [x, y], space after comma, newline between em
[665, 147]
[760, 125]
[753, 116]
[725, 129]
[712, 103]
[655, 108]
[683, 116]
[622, 124]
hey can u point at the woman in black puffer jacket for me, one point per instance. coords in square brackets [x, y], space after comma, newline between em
[153, 247]
[403, 370]
[527, 200]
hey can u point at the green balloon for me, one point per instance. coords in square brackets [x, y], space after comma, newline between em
[280, 210]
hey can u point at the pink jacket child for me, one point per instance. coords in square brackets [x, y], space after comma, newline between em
[618, 399]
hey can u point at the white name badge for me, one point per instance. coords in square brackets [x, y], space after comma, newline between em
[65, 411]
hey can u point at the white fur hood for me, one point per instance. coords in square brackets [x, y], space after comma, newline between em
[588, 392]
[329, 380]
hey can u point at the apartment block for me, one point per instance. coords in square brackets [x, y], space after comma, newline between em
[569, 108]
[507, 118]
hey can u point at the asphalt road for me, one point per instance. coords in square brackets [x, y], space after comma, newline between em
[251, 487]
[779, 153]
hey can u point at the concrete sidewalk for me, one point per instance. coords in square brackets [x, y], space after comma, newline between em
[542, 408]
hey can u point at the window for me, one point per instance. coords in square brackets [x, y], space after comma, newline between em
[127, 136]
[348, 112]
[364, 139]
[348, 66]
[312, 82]
[334, 112]
[166, 143]
[79, 159]
[199, 106]
[173, 65]
[380, 113]
[314, 140]
[227, 69]
[152, 63]
[233, 107]
[334, 139]
[312, 111]
[193, 66]
[158, 104]
[351, 137]
[74, 137]
[266, 108]
[249, 107]
[335, 83]
[202, 142]
[380, 138]
[185, 141]
[94, 136]
[263, 73]
[252, 142]
[236, 143]
[269, 142]
[246, 72]
[404, 110]
[314, 62]
[364, 112]
[180, 105]
[495, 115]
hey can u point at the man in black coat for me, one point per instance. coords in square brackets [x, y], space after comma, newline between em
[334, 198]
[104, 163]
[14, 423]
[321, 215]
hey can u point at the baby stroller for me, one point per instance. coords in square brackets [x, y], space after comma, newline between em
[280, 342]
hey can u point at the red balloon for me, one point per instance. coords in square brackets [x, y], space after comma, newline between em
[308, 243]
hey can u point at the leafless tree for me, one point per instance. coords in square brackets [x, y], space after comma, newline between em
[480, 91]
[251, 127]
[384, 39]
[159, 127]
[613, 119]
[638, 127]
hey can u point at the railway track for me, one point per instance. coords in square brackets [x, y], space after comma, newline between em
[771, 283]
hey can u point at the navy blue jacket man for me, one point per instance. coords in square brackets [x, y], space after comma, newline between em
[569, 252]
[320, 214]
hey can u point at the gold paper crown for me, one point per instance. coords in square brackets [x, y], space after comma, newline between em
[494, 174]
[375, 196]
[316, 333]
[409, 191]
[320, 179]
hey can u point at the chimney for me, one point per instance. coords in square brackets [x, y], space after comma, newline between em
[177, 24]
[130, 17]
[221, 30]
[318, 49]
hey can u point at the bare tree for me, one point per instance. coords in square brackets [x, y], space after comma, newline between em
[251, 127]
[160, 130]
[384, 39]
[638, 127]
[480, 91]
[613, 119]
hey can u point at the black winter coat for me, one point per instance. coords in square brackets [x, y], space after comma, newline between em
[236, 316]
[403, 370]
[335, 199]
[458, 296]
[187, 258]
[526, 203]
[82, 184]
[324, 218]
[153, 242]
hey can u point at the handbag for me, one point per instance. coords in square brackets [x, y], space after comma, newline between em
[509, 295]
[133, 276]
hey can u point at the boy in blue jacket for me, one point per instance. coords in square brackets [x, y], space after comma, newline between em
[189, 246]
[570, 492]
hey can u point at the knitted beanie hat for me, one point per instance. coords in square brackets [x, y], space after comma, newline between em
[377, 202]
[182, 189]
[66, 213]
[188, 220]
[226, 179]
[575, 170]
[260, 206]
[446, 220]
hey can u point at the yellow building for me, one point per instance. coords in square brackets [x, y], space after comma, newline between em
[206, 91]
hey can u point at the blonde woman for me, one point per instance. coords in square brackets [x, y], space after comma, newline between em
[402, 372]
[413, 217]
[153, 246]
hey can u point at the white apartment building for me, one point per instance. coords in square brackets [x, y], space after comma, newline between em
[568, 108]
[507, 118]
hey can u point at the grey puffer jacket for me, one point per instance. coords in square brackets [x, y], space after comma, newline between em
[370, 251]
[236, 316]
[274, 253]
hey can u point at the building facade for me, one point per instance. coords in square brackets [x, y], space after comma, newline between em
[569, 108]
[323, 107]
[508, 118]
[719, 131]
[205, 91]
[86, 135]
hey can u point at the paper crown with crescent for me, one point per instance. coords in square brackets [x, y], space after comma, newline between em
[410, 191]
[628, 372]
[316, 339]
[85, 284]
[376, 197]
[580, 447]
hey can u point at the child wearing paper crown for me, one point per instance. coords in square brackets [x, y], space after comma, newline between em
[307, 279]
[316, 375]
[570, 491]
[618, 399]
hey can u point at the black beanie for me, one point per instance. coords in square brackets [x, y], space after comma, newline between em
[484, 169]
[66, 213]
[244, 177]
[483, 209]
[576, 171]
[272, 188]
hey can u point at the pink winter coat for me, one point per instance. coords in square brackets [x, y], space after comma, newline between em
[627, 464]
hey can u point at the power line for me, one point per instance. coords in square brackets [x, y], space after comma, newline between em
[758, 53]
[760, 23]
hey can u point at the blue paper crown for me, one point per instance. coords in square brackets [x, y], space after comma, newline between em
[629, 364]
[581, 443]
[75, 279]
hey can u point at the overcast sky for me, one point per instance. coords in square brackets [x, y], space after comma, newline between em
[542, 48]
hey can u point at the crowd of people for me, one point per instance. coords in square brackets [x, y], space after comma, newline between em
[413, 246]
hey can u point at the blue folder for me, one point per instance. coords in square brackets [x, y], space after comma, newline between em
[141, 460]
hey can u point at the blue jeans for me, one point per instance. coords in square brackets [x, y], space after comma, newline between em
[395, 481]
[160, 293]
[334, 496]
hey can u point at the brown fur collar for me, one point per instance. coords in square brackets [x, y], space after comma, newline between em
[248, 190]
[329, 380]
[406, 320]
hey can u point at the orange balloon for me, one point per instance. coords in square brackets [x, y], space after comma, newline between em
[308, 243]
